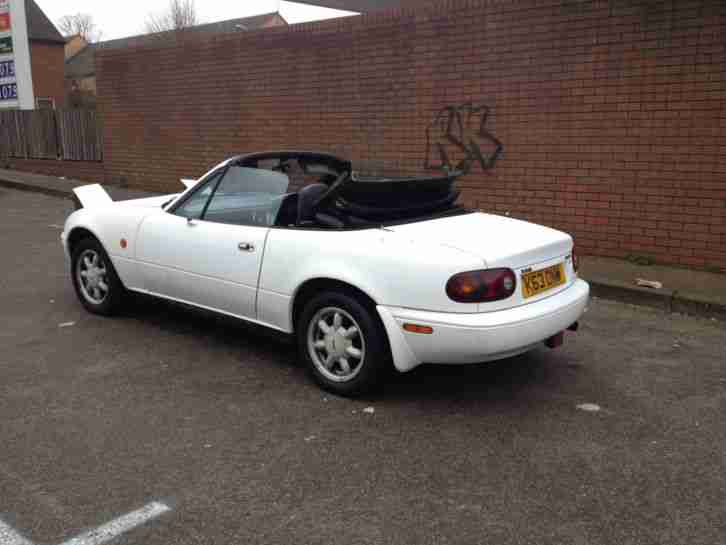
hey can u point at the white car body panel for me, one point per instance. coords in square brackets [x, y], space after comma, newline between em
[497, 241]
[402, 268]
[362, 258]
[200, 262]
[485, 336]
[501, 241]
[92, 196]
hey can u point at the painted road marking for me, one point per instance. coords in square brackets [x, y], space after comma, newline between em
[121, 525]
[100, 535]
[8, 536]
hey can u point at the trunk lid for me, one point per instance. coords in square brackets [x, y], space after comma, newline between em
[500, 242]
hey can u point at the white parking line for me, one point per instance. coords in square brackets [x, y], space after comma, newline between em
[118, 526]
[8, 536]
[589, 407]
[97, 536]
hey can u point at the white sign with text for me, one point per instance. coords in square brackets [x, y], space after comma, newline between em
[16, 81]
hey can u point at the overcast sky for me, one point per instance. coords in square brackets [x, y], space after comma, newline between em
[125, 18]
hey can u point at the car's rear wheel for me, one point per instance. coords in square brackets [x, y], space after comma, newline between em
[343, 344]
[95, 280]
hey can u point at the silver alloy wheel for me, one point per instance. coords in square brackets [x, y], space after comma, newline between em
[336, 344]
[91, 277]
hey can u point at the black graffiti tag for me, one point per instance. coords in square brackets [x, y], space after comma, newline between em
[460, 130]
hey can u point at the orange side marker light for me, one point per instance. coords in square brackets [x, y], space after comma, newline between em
[415, 328]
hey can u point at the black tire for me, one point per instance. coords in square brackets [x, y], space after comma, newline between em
[113, 297]
[371, 342]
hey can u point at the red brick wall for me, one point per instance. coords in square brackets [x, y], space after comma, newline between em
[87, 171]
[47, 63]
[613, 114]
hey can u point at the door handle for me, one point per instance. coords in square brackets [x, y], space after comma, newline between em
[246, 247]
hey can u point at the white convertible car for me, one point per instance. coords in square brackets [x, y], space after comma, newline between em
[367, 273]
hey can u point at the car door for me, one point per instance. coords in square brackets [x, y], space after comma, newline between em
[208, 249]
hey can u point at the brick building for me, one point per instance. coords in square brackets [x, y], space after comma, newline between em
[46, 57]
[74, 44]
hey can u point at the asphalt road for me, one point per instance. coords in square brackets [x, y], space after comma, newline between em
[163, 403]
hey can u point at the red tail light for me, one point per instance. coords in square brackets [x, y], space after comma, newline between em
[481, 286]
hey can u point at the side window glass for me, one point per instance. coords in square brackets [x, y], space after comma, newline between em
[248, 196]
[194, 205]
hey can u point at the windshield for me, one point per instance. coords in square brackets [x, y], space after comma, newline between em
[245, 181]
[238, 195]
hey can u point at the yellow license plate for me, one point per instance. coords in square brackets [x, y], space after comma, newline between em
[536, 282]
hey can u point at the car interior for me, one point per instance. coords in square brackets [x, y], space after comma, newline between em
[316, 190]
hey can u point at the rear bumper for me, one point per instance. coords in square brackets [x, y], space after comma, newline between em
[472, 338]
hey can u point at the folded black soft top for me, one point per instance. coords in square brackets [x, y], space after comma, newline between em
[366, 198]
[381, 190]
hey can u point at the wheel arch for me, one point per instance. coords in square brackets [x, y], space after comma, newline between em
[402, 357]
[311, 287]
[81, 232]
[77, 234]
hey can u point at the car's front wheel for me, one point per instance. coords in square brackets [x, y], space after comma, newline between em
[95, 280]
[343, 343]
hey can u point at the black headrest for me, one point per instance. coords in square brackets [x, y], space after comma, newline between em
[307, 197]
